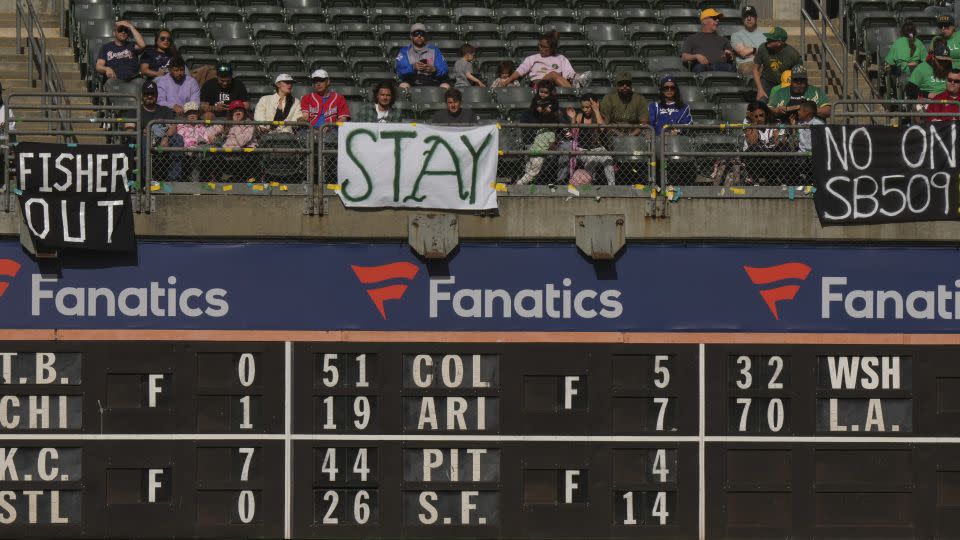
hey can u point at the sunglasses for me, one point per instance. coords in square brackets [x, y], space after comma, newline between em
[669, 87]
[163, 38]
[955, 81]
[122, 29]
[944, 25]
[418, 34]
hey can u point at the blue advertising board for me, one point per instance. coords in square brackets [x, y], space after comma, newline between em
[489, 287]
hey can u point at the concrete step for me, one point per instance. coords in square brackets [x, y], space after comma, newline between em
[50, 32]
[54, 42]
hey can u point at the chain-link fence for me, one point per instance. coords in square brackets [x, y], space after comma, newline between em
[217, 151]
[736, 155]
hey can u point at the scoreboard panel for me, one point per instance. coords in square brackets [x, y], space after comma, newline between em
[464, 440]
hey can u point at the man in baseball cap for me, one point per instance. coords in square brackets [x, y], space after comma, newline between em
[420, 63]
[323, 105]
[930, 78]
[771, 60]
[622, 105]
[784, 102]
[215, 94]
[707, 50]
[747, 40]
[948, 32]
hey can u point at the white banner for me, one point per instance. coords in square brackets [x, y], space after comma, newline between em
[417, 166]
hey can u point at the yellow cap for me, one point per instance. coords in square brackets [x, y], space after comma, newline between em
[709, 12]
[785, 78]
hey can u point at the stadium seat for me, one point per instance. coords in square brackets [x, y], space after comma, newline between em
[441, 31]
[313, 30]
[193, 46]
[487, 65]
[597, 16]
[616, 64]
[520, 31]
[717, 78]
[257, 90]
[228, 30]
[671, 16]
[95, 29]
[907, 6]
[690, 93]
[284, 64]
[702, 111]
[254, 3]
[643, 31]
[604, 32]
[346, 15]
[475, 95]
[477, 31]
[366, 79]
[304, 14]
[581, 65]
[272, 30]
[329, 63]
[137, 11]
[170, 13]
[392, 47]
[337, 78]
[733, 112]
[514, 16]
[472, 15]
[927, 33]
[358, 48]
[394, 31]
[220, 13]
[430, 16]
[320, 47]
[680, 31]
[244, 62]
[93, 12]
[188, 29]
[490, 47]
[351, 92]
[231, 46]
[664, 63]
[450, 49]
[193, 61]
[567, 31]
[613, 49]
[356, 31]
[916, 17]
[263, 14]
[363, 65]
[301, 89]
[389, 15]
[513, 96]
[523, 49]
[551, 16]
[722, 93]
[651, 48]
[278, 47]
[426, 94]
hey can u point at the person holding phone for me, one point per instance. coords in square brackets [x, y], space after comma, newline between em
[217, 94]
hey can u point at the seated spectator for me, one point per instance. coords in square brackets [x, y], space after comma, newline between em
[420, 64]
[323, 105]
[906, 52]
[117, 60]
[238, 136]
[455, 113]
[546, 65]
[463, 68]
[155, 59]
[669, 107]
[188, 136]
[587, 141]
[623, 106]
[762, 139]
[150, 109]
[176, 87]
[544, 109]
[951, 95]
[382, 109]
[950, 36]
[746, 41]
[504, 70]
[216, 94]
[784, 101]
[707, 50]
[281, 106]
[807, 116]
[771, 60]
[930, 78]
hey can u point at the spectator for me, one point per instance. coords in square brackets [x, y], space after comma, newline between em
[544, 109]
[930, 78]
[950, 95]
[669, 107]
[217, 94]
[463, 68]
[382, 109]
[155, 59]
[504, 70]
[281, 106]
[188, 136]
[784, 101]
[906, 52]
[588, 141]
[176, 87]
[323, 105]
[117, 60]
[238, 136]
[420, 64]
[546, 65]
[771, 60]
[150, 109]
[767, 139]
[747, 41]
[948, 33]
[807, 116]
[3, 118]
[455, 113]
[707, 50]
[623, 106]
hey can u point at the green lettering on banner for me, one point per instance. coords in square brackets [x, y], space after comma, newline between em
[363, 170]
[397, 137]
[437, 141]
[475, 154]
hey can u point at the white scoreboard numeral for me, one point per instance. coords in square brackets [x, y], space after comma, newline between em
[247, 369]
[747, 380]
[361, 510]
[360, 464]
[362, 381]
[329, 465]
[660, 465]
[745, 401]
[361, 409]
[775, 415]
[333, 498]
[777, 362]
[660, 507]
[662, 371]
[662, 401]
[628, 500]
[328, 405]
[331, 375]
[246, 506]
[248, 456]
[245, 403]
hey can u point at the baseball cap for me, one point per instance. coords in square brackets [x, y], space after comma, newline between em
[945, 20]
[225, 69]
[622, 76]
[786, 77]
[749, 11]
[776, 34]
[283, 77]
[190, 106]
[320, 74]
[940, 50]
[418, 27]
[149, 87]
[798, 73]
[710, 12]
[236, 104]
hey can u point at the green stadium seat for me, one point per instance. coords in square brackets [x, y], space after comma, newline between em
[389, 15]
[597, 16]
[426, 94]
[722, 93]
[329, 63]
[362, 48]
[170, 13]
[366, 79]
[95, 29]
[351, 92]
[278, 47]
[646, 31]
[304, 14]
[193, 46]
[235, 46]
[608, 49]
[137, 11]
[431, 16]
[195, 60]
[255, 3]
[228, 30]
[472, 15]
[220, 13]
[189, 29]
[272, 30]
[621, 63]
[313, 30]
[665, 63]
[487, 66]
[680, 31]
[479, 31]
[513, 96]
[263, 14]
[583, 64]
[373, 63]
[553, 15]
[356, 31]
[346, 15]
[441, 31]
[718, 78]
[320, 47]
[568, 31]
[284, 64]
[520, 31]
[450, 49]
[604, 32]
[490, 47]
[517, 15]
[679, 15]
[244, 62]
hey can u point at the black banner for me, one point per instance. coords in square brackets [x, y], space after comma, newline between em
[77, 196]
[886, 175]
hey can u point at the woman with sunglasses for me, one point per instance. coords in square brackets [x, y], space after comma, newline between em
[155, 59]
[669, 108]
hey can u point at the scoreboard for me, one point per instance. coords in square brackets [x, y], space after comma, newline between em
[477, 440]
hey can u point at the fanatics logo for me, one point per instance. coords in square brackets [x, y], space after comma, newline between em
[775, 274]
[369, 275]
[8, 267]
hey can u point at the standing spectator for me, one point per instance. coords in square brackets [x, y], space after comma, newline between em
[669, 107]
[807, 116]
[771, 60]
[504, 70]
[217, 94]
[588, 141]
[708, 50]
[951, 95]
[948, 33]
[930, 78]
[463, 68]
[544, 109]
[784, 101]
[176, 87]
[623, 106]
[382, 109]
[281, 106]
[420, 64]
[455, 113]
[906, 52]
[323, 105]
[117, 60]
[747, 41]
[546, 65]
[155, 59]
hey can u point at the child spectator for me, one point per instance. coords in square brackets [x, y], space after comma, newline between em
[188, 136]
[504, 70]
[807, 116]
[546, 65]
[587, 140]
[544, 109]
[238, 136]
[669, 107]
[463, 68]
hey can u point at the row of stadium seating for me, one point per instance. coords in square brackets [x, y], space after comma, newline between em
[449, 4]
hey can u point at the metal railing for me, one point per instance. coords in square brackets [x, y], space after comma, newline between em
[896, 111]
[32, 41]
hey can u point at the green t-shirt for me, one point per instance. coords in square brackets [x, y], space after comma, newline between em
[774, 64]
[953, 43]
[615, 111]
[781, 97]
[899, 54]
[924, 78]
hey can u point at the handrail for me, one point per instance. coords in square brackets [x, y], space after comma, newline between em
[51, 81]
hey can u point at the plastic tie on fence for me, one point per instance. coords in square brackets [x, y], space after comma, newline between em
[213, 150]
[132, 145]
[154, 185]
[283, 187]
[640, 187]
[248, 150]
[274, 184]
[500, 153]
[228, 187]
[17, 191]
[71, 145]
[738, 190]
[807, 190]
[498, 186]
[333, 187]
[498, 125]
[338, 124]
[572, 189]
[133, 184]
[654, 192]
[258, 187]
[791, 192]
[210, 186]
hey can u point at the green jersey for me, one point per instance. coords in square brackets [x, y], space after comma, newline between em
[899, 54]
[772, 65]
[953, 43]
[926, 80]
[781, 97]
